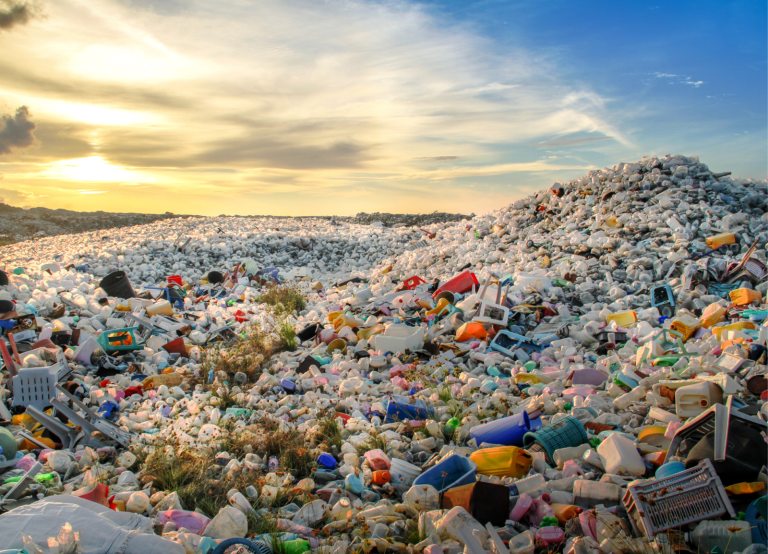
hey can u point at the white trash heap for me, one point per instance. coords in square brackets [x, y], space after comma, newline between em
[582, 371]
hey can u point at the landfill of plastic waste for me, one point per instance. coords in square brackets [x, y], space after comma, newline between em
[583, 371]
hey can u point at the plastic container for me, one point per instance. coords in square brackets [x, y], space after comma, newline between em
[694, 400]
[381, 477]
[757, 517]
[402, 473]
[670, 469]
[507, 431]
[565, 512]
[401, 408]
[163, 307]
[453, 471]
[719, 240]
[532, 485]
[118, 285]
[377, 460]
[564, 433]
[721, 534]
[686, 497]
[461, 283]
[623, 319]
[119, 340]
[524, 543]
[620, 456]
[502, 461]
[194, 521]
[550, 535]
[742, 297]
[588, 494]
[685, 324]
[399, 338]
[326, 460]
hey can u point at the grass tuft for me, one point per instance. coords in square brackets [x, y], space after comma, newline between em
[286, 299]
[330, 432]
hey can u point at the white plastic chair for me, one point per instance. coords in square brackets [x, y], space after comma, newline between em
[35, 386]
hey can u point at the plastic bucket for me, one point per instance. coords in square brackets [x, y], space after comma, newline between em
[6, 306]
[402, 473]
[118, 285]
[564, 433]
[309, 332]
[3, 278]
[507, 431]
[175, 280]
[453, 471]
[215, 277]
[669, 469]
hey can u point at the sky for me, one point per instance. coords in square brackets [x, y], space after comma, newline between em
[321, 107]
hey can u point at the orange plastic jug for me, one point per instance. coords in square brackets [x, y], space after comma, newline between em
[742, 297]
[564, 512]
[502, 461]
[381, 477]
[718, 240]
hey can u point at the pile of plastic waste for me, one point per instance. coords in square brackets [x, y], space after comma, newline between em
[583, 371]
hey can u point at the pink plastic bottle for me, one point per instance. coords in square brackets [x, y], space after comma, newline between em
[571, 468]
[541, 509]
[523, 506]
[377, 460]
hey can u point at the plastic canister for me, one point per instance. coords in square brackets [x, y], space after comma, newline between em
[532, 485]
[685, 324]
[508, 431]
[377, 460]
[620, 456]
[744, 296]
[524, 543]
[461, 283]
[564, 512]
[623, 401]
[719, 240]
[326, 460]
[693, 400]
[502, 461]
[402, 473]
[562, 455]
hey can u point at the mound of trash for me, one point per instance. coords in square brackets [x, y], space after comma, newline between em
[583, 371]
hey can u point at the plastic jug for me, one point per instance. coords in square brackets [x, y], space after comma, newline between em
[742, 297]
[502, 461]
[685, 324]
[453, 471]
[623, 401]
[623, 319]
[709, 534]
[620, 456]
[508, 431]
[564, 512]
[712, 314]
[402, 473]
[532, 485]
[693, 400]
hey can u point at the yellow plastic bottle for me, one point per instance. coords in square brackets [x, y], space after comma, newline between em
[714, 313]
[718, 240]
[442, 304]
[502, 461]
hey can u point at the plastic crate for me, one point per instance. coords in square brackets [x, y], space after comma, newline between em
[34, 386]
[119, 340]
[669, 503]
[564, 433]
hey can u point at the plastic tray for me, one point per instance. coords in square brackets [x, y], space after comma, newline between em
[669, 503]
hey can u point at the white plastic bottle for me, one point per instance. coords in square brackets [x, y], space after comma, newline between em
[709, 534]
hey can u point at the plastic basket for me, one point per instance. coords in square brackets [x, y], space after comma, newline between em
[564, 433]
[669, 503]
[119, 340]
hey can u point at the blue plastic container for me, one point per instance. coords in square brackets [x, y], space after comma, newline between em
[454, 471]
[288, 386]
[507, 431]
[327, 461]
[669, 469]
[401, 408]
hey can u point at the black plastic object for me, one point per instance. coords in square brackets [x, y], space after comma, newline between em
[3, 279]
[6, 306]
[215, 277]
[118, 285]
[744, 457]
[309, 332]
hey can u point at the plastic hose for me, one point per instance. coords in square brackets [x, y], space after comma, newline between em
[233, 542]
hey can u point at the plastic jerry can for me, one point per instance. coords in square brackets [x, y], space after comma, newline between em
[502, 461]
[693, 400]
[588, 494]
[377, 460]
[714, 313]
[738, 326]
[620, 456]
[685, 324]
[564, 512]
[623, 319]
[742, 297]
[719, 240]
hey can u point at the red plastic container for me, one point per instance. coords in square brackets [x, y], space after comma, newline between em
[174, 279]
[413, 282]
[461, 283]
